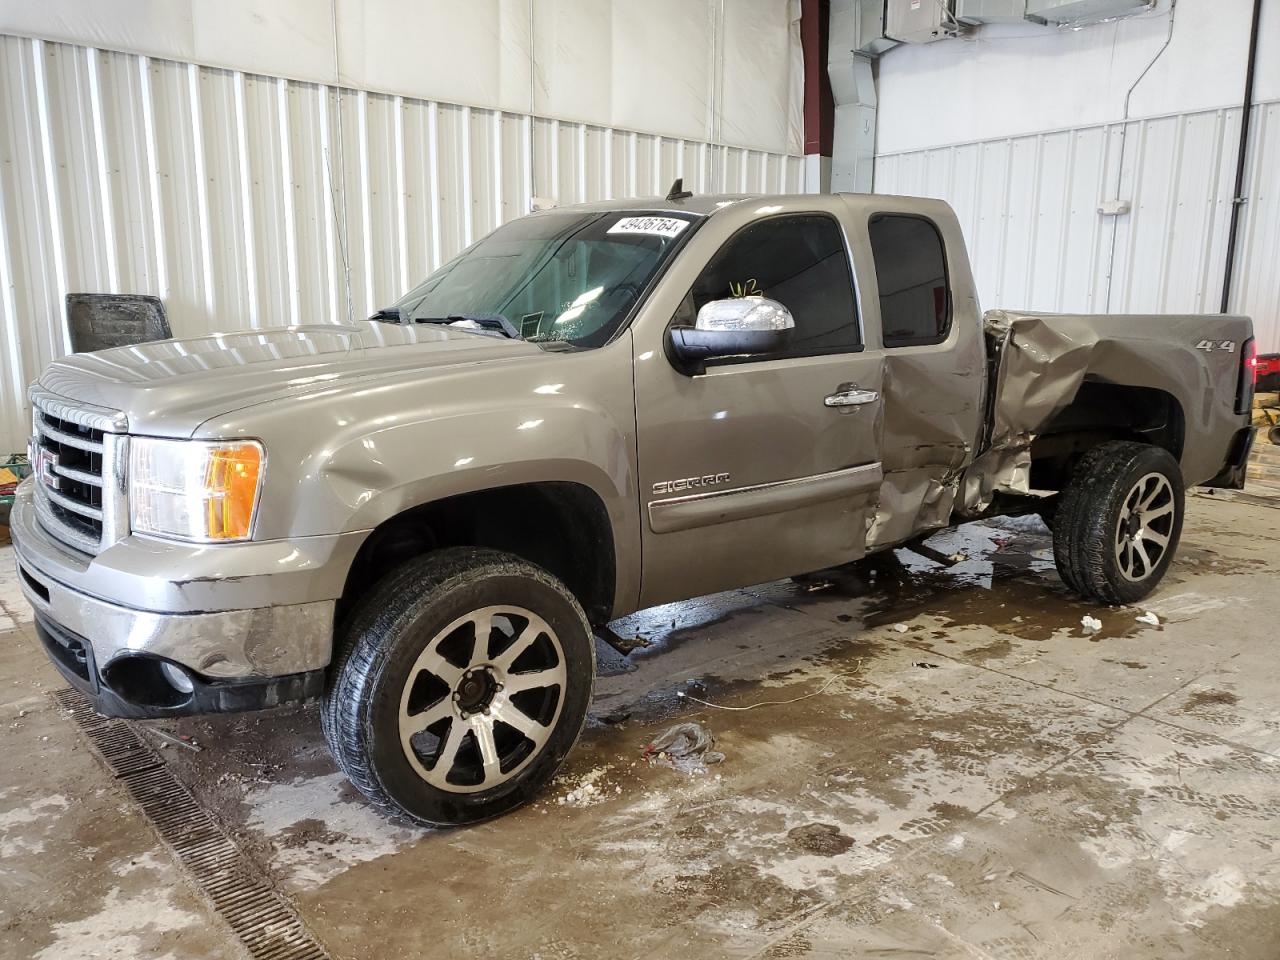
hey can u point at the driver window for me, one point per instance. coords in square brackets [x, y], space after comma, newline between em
[801, 262]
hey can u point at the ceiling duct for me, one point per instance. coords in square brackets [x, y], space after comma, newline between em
[919, 21]
[990, 11]
[855, 35]
[922, 21]
[860, 25]
[1080, 12]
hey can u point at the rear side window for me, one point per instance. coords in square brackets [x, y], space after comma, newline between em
[911, 270]
[801, 262]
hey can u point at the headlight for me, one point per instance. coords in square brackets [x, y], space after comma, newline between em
[205, 491]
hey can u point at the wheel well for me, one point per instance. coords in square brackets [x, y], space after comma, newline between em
[1100, 412]
[562, 527]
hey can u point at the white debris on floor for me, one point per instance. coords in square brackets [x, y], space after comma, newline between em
[316, 834]
[1091, 625]
[25, 829]
[1187, 606]
[125, 925]
[589, 788]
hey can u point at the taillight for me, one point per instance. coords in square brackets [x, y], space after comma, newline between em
[1248, 376]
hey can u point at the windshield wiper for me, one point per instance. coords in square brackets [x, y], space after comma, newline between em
[489, 323]
[390, 315]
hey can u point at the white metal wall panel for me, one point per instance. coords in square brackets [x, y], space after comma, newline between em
[247, 201]
[1029, 209]
[698, 69]
[1257, 275]
[1170, 251]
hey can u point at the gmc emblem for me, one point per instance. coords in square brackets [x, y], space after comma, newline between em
[45, 466]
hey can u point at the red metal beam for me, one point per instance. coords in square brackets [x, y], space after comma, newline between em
[819, 106]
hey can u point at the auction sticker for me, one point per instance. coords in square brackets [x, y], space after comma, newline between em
[656, 226]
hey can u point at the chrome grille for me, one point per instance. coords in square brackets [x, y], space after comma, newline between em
[78, 455]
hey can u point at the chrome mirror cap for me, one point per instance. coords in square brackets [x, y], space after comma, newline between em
[744, 314]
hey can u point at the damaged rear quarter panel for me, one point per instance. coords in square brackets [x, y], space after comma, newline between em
[1044, 358]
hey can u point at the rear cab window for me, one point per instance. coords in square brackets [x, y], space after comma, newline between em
[911, 272]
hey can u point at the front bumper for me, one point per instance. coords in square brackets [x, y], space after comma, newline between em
[141, 691]
[221, 627]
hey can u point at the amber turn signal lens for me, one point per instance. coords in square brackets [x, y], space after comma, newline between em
[231, 485]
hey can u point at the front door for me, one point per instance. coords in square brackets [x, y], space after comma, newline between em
[762, 467]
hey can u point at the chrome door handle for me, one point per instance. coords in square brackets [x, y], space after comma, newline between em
[851, 397]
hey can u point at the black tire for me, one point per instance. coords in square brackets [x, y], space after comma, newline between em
[1048, 513]
[404, 614]
[1089, 546]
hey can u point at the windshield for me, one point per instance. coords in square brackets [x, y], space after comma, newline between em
[567, 277]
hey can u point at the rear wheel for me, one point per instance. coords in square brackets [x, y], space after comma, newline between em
[464, 684]
[1118, 522]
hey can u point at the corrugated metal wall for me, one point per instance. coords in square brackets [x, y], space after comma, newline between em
[1029, 208]
[247, 201]
[1256, 290]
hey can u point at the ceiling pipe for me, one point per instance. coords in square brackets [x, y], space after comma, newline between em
[1124, 137]
[1238, 200]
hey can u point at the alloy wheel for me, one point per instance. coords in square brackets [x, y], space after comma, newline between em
[482, 699]
[1145, 526]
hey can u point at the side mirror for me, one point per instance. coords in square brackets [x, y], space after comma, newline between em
[744, 326]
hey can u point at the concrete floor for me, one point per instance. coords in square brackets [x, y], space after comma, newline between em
[989, 781]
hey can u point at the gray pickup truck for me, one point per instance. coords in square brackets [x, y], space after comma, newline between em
[422, 518]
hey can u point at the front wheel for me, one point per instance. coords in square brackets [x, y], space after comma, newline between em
[1118, 522]
[464, 681]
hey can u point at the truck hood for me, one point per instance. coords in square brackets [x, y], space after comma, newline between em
[171, 387]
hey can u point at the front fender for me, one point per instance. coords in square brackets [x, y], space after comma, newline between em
[344, 461]
[386, 473]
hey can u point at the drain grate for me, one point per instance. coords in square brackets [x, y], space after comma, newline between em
[260, 917]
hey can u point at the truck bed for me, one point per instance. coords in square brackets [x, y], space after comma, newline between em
[1049, 374]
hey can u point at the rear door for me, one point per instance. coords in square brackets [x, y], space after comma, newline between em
[934, 360]
[762, 467]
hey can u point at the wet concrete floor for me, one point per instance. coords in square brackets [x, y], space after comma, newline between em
[962, 772]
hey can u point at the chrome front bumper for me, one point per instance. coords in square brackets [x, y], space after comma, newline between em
[242, 612]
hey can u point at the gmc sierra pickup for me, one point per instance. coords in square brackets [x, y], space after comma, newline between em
[422, 517]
